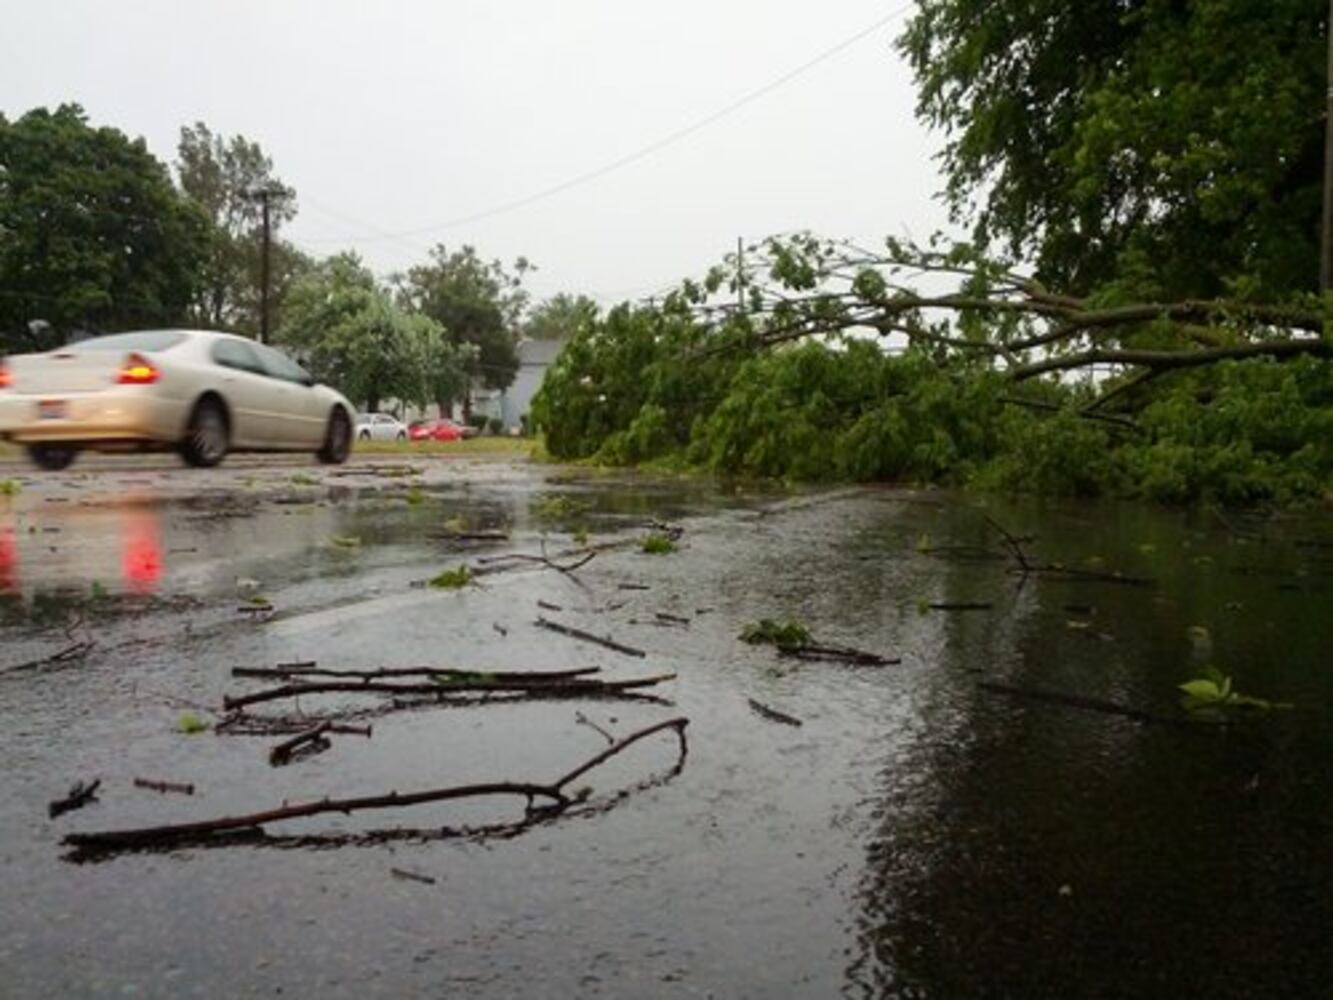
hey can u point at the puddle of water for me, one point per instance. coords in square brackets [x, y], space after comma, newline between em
[917, 834]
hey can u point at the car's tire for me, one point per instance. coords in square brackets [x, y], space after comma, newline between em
[363, 436]
[337, 439]
[207, 436]
[402, 435]
[51, 457]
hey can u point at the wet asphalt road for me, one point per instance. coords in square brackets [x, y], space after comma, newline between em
[911, 837]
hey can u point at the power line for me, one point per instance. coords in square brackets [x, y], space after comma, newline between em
[378, 232]
[644, 151]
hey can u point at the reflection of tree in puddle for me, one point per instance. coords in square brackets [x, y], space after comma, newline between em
[1030, 849]
[62, 606]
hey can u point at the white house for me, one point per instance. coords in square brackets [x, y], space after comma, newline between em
[534, 357]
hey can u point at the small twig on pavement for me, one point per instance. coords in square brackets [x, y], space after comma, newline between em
[164, 786]
[79, 796]
[284, 751]
[408, 876]
[576, 633]
[583, 720]
[773, 715]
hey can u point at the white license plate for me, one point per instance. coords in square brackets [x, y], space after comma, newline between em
[52, 409]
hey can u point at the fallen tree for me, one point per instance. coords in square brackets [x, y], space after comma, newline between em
[818, 360]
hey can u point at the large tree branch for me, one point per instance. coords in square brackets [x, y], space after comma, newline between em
[1194, 313]
[1163, 360]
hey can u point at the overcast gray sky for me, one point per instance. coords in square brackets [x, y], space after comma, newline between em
[399, 121]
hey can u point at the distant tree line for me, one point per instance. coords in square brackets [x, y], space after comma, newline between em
[97, 235]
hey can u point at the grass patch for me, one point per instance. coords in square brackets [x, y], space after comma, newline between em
[9, 488]
[487, 445]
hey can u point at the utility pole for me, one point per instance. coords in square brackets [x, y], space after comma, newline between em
[265, 197]
[1326, 240]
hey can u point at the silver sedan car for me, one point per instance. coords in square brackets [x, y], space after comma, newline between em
[200, 392]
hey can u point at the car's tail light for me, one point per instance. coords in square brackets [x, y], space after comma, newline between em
[137, 370]
[6, 376]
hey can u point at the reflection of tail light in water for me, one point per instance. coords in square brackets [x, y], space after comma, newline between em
[9, 562]
[141, 558]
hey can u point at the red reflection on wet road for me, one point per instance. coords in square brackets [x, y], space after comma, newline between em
[9, 562]
[141, 556]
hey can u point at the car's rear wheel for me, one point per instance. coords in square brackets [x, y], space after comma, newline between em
[363, 436]
[337, 439]
[402, 435]
[207, 437]
[52, 457]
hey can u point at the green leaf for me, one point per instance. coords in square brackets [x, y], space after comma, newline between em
[1202, 689]
[451, 579]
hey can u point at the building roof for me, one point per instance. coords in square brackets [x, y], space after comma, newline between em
[539, 352]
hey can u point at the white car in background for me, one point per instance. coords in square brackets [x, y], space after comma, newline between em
[200, 392]
[379, 427]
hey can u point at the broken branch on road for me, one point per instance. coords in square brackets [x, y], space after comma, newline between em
[838, 654]
[180, 788]
[67, 655]
[1026, 568]
[79, 796]
[772, 714]
[583, 720]
[304, 742]
[445, 688]
[494, 564]
[578, 633]
[544, 802]
[444, 674]
[241, 724]
[1073, 701]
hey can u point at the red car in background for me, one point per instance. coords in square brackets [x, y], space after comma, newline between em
[435, 430]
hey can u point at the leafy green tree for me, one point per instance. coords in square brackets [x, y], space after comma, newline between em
[221, 175]
[560, 317]
[93, 235]
[477, 302]
[1152, 149]
[351, 334]
[442, 365]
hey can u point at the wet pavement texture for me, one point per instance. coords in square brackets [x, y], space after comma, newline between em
[918, 834]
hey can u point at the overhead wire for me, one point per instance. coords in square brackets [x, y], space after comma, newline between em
[406, 236]
[643, 151]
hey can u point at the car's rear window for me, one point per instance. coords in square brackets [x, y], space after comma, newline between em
[140, 340]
